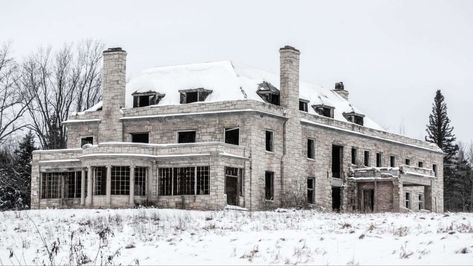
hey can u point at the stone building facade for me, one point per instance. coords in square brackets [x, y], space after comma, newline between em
[179, 137]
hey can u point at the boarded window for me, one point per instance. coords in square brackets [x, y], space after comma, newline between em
[100, 174]
[392, 160]
[310, 148]
[120, 180]
[140, 181]
[232, 135]
[140, 137]
[367, 158]
[86, 140]
[269, 185]
[184, 180]
[311, 190]
[353, 155]
[186, 137]
[269, 140]
[379, 160]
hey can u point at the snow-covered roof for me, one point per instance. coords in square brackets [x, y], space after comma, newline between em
[229, 82]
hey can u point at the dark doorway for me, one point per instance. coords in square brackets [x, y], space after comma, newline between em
[231, 185]
[336, 198]
[337, 156]
[367, 200]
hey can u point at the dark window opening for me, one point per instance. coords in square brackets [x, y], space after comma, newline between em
[323, 110]
[310, 148]
[392, 160]
[100, 180]
[194, 95]
[268, 93]
[140, 181]
[86, 140]
[191, 97]
[232, 136]
[354, 118]
[336, 199]
[408, 162]
[186, 137]
[303, 106]
[408, 200]
[269, 140]
[269, 185]
[311, 190]
[146, 99]
[337, 161]
[421, 202]
[420, 164]
[140, 137]
[434, 168]
[367, 158]
[378, 160]
[353, 155]
[233, 184]
[72, 184]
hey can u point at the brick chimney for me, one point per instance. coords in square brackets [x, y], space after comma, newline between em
[113, 86]
[289, 77]
[340, 90]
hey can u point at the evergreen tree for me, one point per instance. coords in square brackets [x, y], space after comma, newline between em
[22, 166]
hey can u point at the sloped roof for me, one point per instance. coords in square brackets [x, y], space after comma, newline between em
[229, 82]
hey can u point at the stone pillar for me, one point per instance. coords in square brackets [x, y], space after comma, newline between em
[428, 201]
[397, 194]
[82, 187]
[293, 176]
[132, 186]
[90, 184]
[109, 186]
[113, 85]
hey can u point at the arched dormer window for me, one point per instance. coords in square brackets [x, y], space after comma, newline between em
[194, 95]
[142, 99]
[324, 110]
[268, 93]
[354, 117]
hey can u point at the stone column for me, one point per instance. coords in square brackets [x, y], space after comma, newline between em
[109, 186]
[428, 202]
[82, 187]
[397, 192]
[89, 186]
[132, 186]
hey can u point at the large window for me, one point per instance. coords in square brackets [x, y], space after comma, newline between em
[58, 184]
[186, 137]
[140, 181]
[72, 184]
[269, 185]
[120, 180]
[50, 186]
[311, 148]
[232, 135]
[184, 180]
[269, 140]
[140, 137]
[100, 179]
[237, 173]
[311, 190]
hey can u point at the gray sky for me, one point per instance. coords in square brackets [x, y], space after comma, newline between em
[391, 55]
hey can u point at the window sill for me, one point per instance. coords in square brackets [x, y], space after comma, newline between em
[270, 152]
[311, 159]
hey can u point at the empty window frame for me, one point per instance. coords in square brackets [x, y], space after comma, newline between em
[100, 180]
[72, 184]
[269, 185]
[232, 135]
[354, 118]
[311, 190]
[146, 98]
[269, 140]
[268, 93]
[140, 137]
[392, 161]
[408, 162]
[237, 173]
[408, 200]
[186, 136]
[421, 202]
[184, 180]
[379, 160]
[420, 164]
[50, 186]
[324, 110]
[140, 181]
[310, 148]
[120, 180]
[366, 160]
[354, 152]
[194, 95]
[86, 140]
[434, 168]
[303, 105]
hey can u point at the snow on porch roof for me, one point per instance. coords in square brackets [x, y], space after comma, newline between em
[229, 82]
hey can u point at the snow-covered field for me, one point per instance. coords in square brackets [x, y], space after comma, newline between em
[161, 236]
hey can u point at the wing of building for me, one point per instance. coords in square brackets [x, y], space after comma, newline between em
[203, 136]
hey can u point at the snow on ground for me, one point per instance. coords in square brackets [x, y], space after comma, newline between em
[163, 236]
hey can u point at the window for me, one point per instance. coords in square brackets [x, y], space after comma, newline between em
[354, 118]
[232, 135]
[194, 95]
[72, 184]
[184, 180]
[269, 185]
[311, 190]
[140, 181]
[421, 202]
[392, 161]
[232, 172]
[310, 148]
[100, 174]
[420, 164]
[323, 110]
[269, 140]
[353, 155]
[303, 105]
[408, 162]
[120, 180]
[50, 186]
[268, 93]
[367, 158]
[86, 140]
[142, 99]
[408, 200]
[378, 160]
[140, 137]
[434, 168]
[186, 137]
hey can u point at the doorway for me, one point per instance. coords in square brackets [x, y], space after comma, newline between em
[367, 200]
[336, 198]
[233, 185]
[337, 156]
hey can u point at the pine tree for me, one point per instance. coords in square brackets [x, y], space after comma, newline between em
[22, 167]
[440, 132]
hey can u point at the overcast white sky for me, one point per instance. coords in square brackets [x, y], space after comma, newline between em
[391, 55]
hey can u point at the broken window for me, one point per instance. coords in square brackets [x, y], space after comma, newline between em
[232, 135]
[50, 186]
[337, 161]
[367, 158]
[142, 99]
[408, 162]
[86, 140]
[354, 118]
[353, 155]
[268, 93]
[100, 177]
[420, 164]
[140, 137]
[186, 137]
[194, 95]
[392, 160]
[233, 184]
[140, 181]
[72, 184]
[311, 148]
[434, 168]
[269, 140]
[269, 185]
[324, 110]
[421, 201]
[311, 190]
[120, 180]
[184, 180]
[303, 105]
[408, 200]
[378, 160]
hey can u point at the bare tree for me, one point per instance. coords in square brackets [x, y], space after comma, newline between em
[59, 83]
[11, 99]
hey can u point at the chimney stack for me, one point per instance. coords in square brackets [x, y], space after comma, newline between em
[340, 90]
[289, 77]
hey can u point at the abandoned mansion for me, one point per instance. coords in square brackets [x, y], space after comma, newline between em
[203, 136]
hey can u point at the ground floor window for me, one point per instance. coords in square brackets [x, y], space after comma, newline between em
[269, 185]
[421, 202]
[120, 180]
[50, 186]
[72, 184]
[100, 180]
[55, 183]
[408, 200]
[140, 181]
[311, 190]
[184, 180]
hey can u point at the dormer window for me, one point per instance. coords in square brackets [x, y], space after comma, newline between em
[142, 99]
[268, 93]
[194, 95]
[354, 118]
[303, 105]
[324, 110]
